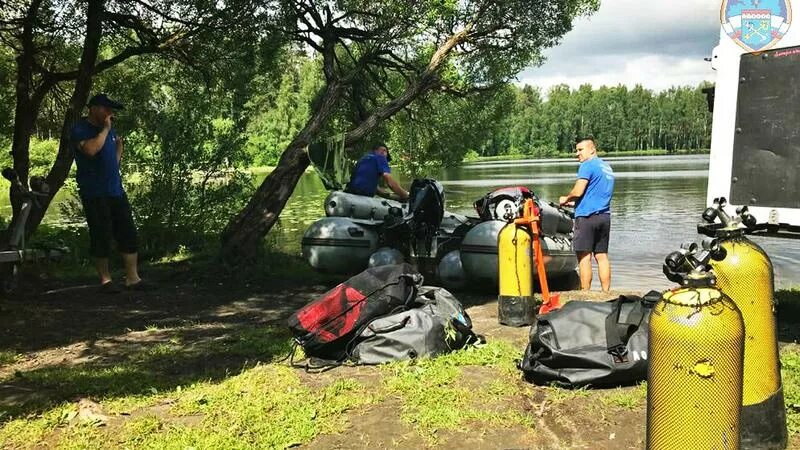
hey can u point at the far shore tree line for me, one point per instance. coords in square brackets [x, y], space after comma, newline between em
[215, 88]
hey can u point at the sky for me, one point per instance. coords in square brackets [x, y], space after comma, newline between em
[657, 44]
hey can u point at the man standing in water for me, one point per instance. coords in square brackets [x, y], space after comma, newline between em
[592, 196]
[369, 170]
[98, 150]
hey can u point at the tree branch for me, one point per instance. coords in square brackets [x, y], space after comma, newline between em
[106, 64]
[179, 20]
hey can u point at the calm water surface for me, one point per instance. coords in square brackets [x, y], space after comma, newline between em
[657, 204]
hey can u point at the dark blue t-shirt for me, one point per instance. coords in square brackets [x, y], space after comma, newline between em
[98, 175]
[596, 198]
[367, 173]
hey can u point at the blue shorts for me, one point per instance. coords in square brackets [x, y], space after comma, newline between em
[591, 233]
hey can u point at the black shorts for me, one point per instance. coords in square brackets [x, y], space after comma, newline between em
[591, 233]
[109, 217]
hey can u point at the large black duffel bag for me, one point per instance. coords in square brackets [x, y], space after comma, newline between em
[597, 344]
[326, 326]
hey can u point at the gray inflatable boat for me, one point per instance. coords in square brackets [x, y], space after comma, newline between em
[460, 251]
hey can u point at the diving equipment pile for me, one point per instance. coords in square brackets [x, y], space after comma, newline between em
[360, 232]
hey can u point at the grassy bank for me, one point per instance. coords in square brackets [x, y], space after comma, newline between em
[571, 155]
[191, 383]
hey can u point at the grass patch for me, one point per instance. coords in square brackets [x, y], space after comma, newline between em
[626, 398]
[790, 374]
[558, 395]
[156, 369]
[7, 357]
[264, 407]
[26, 432]
[436, 394]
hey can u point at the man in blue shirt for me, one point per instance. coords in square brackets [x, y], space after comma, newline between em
[98, 151]
[592, 196]
[369, 170]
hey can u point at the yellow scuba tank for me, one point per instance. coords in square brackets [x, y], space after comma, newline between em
[695, 350]
[745, 274]
[515, 266]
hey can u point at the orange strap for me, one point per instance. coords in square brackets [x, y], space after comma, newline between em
[530, 217]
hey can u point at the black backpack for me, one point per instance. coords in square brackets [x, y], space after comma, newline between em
[597, 344]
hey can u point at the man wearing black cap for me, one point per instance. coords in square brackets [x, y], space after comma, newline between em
[98, 151]
[368, 172]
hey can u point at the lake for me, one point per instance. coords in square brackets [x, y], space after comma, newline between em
[656, 206]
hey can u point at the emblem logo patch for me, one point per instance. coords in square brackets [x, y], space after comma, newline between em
[756, 25]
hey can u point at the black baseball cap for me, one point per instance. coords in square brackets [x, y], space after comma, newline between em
[103, 100]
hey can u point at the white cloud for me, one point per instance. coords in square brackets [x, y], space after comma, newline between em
[657, 44]
[656, 72]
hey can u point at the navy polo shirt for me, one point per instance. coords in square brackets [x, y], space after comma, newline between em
[98, 175]
[367, 173]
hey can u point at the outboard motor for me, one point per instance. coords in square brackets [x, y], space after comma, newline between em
[502, 204]
[417, 229]
[425, 208]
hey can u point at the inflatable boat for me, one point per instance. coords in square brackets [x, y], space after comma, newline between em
[459, 251]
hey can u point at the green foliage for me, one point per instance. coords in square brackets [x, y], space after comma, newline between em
[184, 161]
[790, 374]
[620, 120]
[42, 155]
[788, 301]
[441, 129]
[471, 156]
[8, 357]
[280, 107]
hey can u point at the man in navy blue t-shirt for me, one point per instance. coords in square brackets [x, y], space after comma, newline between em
[98, 151]
[369, 170]
[592, 196]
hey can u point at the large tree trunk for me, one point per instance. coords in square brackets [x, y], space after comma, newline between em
[80, 93]
[242, 237]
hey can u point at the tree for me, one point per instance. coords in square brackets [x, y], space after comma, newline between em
[433, 45]
[280, 105]
[442, 128]
[65, 44]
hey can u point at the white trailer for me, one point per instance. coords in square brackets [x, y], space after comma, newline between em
[755, 141]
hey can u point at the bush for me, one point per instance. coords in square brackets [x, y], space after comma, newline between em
[186, 186]
[471, 155]
[43, 154]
